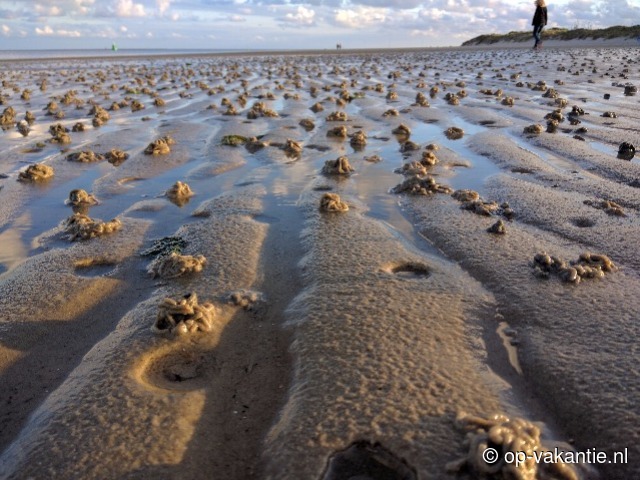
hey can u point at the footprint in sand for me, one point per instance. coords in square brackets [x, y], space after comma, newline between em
[362, 460]
[583, 222]
[177, 369]
[94, 267]
[409, 270]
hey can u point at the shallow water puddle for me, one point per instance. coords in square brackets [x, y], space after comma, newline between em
[14, 248]
[47, 208]
[506, 335]
[547, 157]
[611, 151]
[603, 148]
[481, 167]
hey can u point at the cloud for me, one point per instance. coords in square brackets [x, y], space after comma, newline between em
[583, 13]
[302, 16]
[51, 8]
[49, 11]
[361, 17]
[163, 6]
[399, 4]
[105, 33]
[361, 22]
[68, 33]
[126, 8]
[7, 14]
[433, 14]
[50, 32]
[47, 30]
[83, 6]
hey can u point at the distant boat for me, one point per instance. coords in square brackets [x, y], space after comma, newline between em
[114, 47]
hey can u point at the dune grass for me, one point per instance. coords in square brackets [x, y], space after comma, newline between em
[556, 33]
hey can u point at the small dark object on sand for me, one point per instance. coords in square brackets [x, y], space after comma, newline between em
[498, 228]
[626, 151]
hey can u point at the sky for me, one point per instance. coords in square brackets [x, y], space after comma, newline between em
[285, 24]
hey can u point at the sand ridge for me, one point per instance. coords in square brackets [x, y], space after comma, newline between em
[338, 341]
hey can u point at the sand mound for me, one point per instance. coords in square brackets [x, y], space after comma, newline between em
[79, 197]
[402, 130]
[608, 206]
[161, 146]
[179, 193]
[331, 202]
[307, 124]
[338, 132]
[176, 265]
[339, 166]
[259, 109]
[36, 173]
[454, 133]
[418, 185]
[83, 227]
[85, 156]
[498, 228]
[503, 435]
[245, 299]
[184, 316]
[358, 140]
[23, 128]
[337, 117]
[8, 116]
[412, 169]
[116, 156]
[292, 148]
[535, 129]
[589, 265]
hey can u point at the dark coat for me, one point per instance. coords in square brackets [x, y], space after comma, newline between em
[540, 17]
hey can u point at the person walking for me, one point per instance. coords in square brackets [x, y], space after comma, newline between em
[539, 22]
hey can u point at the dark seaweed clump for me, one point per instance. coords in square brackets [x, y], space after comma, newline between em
[165, 246]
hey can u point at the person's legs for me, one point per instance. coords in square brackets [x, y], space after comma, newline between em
[537, 30]
[540, 35]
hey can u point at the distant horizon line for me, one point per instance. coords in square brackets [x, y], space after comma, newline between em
[119, 48]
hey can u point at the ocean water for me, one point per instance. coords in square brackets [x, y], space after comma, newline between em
[104, 52]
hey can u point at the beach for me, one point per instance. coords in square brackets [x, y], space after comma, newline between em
[321, 265]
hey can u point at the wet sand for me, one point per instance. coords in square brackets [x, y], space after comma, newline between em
[377, 339]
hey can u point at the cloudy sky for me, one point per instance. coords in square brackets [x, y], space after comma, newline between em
[284, 24]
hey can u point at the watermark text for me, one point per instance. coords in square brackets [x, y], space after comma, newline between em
[557, 455]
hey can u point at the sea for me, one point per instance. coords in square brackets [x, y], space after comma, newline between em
[104, 52]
